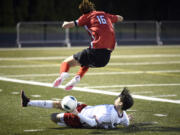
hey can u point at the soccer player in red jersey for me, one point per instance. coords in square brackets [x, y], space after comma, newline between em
[99, 26]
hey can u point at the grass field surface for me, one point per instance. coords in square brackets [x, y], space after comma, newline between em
[152, 73]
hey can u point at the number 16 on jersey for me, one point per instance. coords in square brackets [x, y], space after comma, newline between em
[101, 19]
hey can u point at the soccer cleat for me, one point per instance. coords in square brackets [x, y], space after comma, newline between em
[73, 82]
[24, 99]
[60, 79]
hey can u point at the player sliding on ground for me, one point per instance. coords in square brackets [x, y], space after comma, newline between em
[98, 116]
[100, 28]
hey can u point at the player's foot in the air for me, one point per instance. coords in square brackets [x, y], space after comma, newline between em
[60, 79]
[24, 99]
[73, 82]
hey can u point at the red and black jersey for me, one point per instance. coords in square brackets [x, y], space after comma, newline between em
[100, 28]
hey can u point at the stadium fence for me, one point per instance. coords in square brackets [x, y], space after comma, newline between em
[128, 32]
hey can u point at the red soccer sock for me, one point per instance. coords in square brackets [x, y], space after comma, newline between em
[64, 67]
[82, 71]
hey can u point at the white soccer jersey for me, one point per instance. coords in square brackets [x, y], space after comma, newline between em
[106, 116]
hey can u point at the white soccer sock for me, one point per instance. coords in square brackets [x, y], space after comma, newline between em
[41, 103]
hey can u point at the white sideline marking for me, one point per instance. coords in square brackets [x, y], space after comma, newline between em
[56, 99]
[113, 57]
[36, 96]
[135, 85]
[131, 110]
[30, 66]
[145, 63]
[142, 92]
[99, 73]
[146, 56]
[15, 93]
[89, 90]
[160, 115]
[33, 58]
[54, 48]
[1, 90]
[165, 95]
[110, 64]
[33, 130]
[114, 90]
[147, 123]
[33, 75]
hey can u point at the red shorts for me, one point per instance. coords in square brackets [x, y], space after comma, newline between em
[72, 120]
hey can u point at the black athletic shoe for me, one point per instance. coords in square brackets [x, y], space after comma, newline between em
[24, 99]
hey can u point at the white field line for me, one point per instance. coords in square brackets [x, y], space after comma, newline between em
[30, 66]
[173, 95]
[33, 75]
[113, 57]
[33, 130]
[160, 115]
[110, 64]
[143, 92]
[32, 58]
[146, 56]
[36, 96]
[99, 73]
[15, 92]
[145, 63]
[135, 85]
[90, 90]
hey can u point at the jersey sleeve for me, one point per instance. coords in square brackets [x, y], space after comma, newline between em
[113, 18]
[125, 121]
[83, 20]
[90, 121]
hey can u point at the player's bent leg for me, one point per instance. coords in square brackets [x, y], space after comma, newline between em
[82, 71]
[76, 79]
[66, 119]
[65, 66]
[72, 62]
[72, 120]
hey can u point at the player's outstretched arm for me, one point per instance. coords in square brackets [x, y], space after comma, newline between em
[92, 122]
[68, 24]
[120, 18]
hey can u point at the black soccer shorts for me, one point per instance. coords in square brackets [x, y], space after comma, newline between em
[93, 57]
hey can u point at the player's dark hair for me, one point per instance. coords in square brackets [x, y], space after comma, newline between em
[86, 6]
[126, 99]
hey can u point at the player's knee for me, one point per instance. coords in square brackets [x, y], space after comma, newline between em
[69, 59]
[73, 63]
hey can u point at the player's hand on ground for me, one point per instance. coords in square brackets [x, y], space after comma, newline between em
[131, 117]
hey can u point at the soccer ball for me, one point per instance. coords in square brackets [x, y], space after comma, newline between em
[69, 103]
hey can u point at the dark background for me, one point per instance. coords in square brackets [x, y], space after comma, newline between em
[13, 11]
